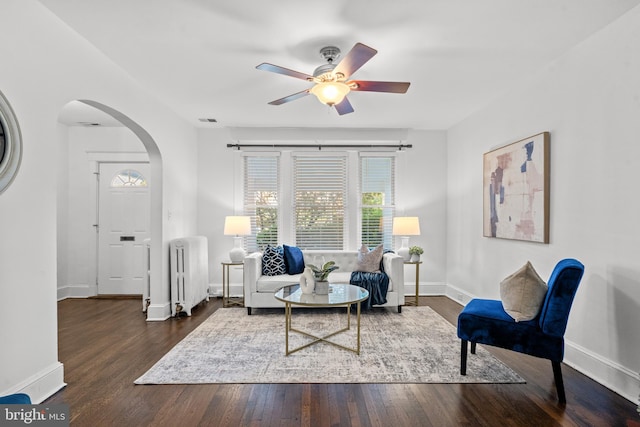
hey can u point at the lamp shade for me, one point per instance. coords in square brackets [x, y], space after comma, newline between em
[406, 226]
[237, 226]
[330, 93]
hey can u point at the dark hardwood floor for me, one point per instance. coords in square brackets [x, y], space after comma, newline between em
[105, 344]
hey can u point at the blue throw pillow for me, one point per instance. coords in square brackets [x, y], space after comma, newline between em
[273, 261]
[293, 259]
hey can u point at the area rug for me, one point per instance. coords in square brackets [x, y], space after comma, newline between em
[415, 346]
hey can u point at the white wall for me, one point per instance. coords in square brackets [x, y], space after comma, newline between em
[421, 189]
[44, 66]
[589, 101]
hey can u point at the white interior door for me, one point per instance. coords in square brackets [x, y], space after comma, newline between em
[123, 225]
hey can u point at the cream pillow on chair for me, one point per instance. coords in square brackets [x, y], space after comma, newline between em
[523, 293]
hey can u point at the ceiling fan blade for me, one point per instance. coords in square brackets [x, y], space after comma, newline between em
[355, 59]
[281, 70]
[290, 98]
[344, 107]
[371, 86]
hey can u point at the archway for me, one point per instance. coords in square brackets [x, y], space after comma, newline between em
[155, 163]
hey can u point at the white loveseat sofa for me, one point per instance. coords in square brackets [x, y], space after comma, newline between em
[259, 290]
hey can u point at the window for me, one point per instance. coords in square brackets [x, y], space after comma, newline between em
[334, 200]
[128, 178]
[320, 201]
[377, 199]
[261, 187]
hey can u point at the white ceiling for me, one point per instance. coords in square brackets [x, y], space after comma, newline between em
[199, 56]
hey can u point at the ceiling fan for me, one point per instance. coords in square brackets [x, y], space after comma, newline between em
[331, 80]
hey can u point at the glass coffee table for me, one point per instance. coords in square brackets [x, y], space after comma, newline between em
[340, 295]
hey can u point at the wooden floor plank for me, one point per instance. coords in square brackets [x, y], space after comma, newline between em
[105, 344]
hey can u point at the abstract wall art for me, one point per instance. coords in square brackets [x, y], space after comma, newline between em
[516, 190]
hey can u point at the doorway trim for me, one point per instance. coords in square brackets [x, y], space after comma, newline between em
[160, 307]
[95, 159]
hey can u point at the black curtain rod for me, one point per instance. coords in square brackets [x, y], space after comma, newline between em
[319, 146]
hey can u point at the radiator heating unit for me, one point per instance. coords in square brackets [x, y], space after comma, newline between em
[189, 273]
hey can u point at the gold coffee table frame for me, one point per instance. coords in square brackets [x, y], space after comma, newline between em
[339, 295]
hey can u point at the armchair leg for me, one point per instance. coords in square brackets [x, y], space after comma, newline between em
[473, 347]
[557, 376]
[463, 357]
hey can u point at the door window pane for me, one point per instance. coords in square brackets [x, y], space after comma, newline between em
[128, 178]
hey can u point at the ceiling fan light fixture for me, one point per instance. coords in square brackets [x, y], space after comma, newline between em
[331, 80]
[330, 93]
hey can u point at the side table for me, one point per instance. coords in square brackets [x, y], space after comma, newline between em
[227, 299]
[415, 302]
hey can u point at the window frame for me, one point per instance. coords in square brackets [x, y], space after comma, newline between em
[347, 205]
[387, 239]
[251, 243]
[352, 237]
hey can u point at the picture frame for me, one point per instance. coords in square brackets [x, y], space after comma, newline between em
[516, 190]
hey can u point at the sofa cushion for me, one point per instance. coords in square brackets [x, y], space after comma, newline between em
[339, 276]
[270, 284]
[293, 259]
[369, 261]
[522, 293]
[273, 261]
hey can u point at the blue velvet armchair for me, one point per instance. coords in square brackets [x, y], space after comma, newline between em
[485, 322]
[15, 399]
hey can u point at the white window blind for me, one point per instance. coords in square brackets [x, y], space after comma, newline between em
[261, 183]
[377, 200]
[320, 195]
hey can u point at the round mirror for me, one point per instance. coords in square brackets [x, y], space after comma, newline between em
[2, 143]
[10, 144]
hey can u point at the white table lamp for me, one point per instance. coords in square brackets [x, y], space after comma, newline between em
[237, 226]
[405, 226]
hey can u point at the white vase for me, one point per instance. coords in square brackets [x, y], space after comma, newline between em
[415, 258]
[307, 281]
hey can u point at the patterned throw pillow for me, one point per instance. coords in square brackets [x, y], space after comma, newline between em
[369, 261]
[523, 293]
[273, 261]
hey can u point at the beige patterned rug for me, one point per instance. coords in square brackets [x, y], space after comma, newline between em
[415, 346]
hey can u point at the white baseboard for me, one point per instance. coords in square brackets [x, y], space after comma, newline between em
[158, 312]
[424, 288]
[606, 372]
[76, 291]
[458, 295]
[42, 385]
[63, 293]
[611, 375]
[215, 290]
